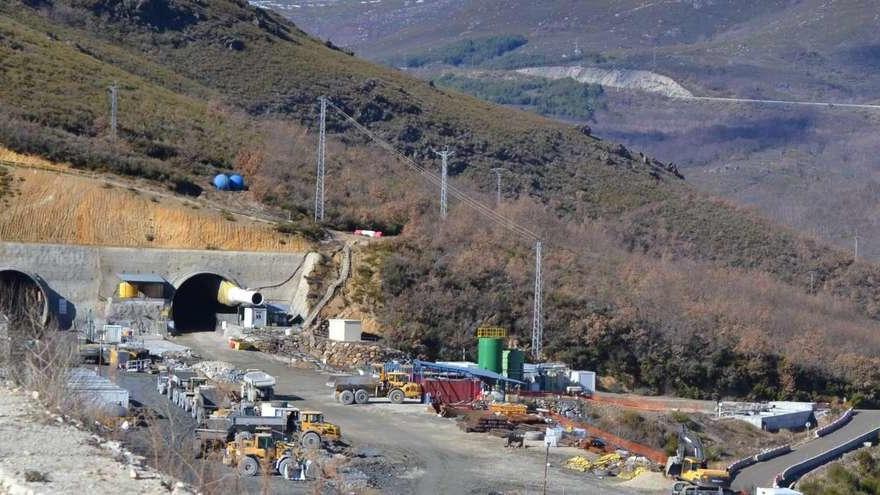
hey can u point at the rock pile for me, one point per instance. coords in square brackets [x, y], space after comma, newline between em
[219, 371]
[342, 355]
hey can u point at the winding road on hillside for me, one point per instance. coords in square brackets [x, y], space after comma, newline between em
[762, 473]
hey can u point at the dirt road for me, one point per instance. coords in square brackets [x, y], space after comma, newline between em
[432, 454]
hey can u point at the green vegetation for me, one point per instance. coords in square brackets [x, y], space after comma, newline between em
[559, 98]
[858, 474]
[467, 52]
[520, 59]
[59, 85]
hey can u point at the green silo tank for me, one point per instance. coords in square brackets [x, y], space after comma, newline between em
[489, 353]
[512, 363]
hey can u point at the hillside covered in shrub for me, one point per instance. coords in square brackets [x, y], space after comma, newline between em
[647, 280]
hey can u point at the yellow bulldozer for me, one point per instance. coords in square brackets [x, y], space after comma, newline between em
[262, 452]
[690, 465]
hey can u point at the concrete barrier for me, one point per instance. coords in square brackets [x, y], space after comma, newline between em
[836, 424]
[791, 474]
[764, 455]
[771, 453]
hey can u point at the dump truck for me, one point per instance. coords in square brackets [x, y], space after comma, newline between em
[395, 385]
[690, 465]
[183, 388]
[261, 451]
[207, 399]
[257, 385]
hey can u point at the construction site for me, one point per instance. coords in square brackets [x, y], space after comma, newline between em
[197, 337]
[252, 364]
[246, 358]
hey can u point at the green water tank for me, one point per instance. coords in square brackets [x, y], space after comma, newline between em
[489, 353]
[512, 363]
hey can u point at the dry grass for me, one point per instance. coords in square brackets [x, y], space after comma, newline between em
[7, 155]
[55, 208]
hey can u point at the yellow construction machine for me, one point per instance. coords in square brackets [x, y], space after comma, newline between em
[694, 468]
[261, 451]
[314, 430]
[395, 385]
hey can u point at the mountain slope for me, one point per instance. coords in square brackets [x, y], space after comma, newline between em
[629, 242]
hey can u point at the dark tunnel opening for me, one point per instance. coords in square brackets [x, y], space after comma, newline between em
[194, 307]
[22, 299]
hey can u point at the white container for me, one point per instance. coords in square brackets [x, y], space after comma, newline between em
[345, 330]
[552, 436]
[777, 491]
[585, 379]
[253, 318]
[112, 334]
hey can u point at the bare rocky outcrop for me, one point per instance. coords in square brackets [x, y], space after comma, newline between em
[641, 80]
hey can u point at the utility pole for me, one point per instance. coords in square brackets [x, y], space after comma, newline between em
[114, 93]
[444, 155]
[546, 466]
[537, 317]
[319, 183]
[497, 185]
[856, 247]
[812, 281]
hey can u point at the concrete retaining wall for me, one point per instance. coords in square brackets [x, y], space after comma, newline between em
[86, 275]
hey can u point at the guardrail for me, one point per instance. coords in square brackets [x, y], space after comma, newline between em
[791, 474]
[764, 455]
[835, 425]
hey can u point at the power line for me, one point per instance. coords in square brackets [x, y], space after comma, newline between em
[433, 178]
[319, 182]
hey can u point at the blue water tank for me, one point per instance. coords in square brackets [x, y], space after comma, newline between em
[236, 182]
[221, 182]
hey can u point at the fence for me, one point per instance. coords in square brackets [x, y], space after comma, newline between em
[611, 439]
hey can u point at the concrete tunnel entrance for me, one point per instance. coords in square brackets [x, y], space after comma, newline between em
[202, 296]
[194, 307]
[23, 297]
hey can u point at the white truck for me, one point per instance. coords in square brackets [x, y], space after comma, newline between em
[257, 385]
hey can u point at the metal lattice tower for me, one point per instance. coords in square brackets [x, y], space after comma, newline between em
[445, 154]
[497, 185]
[319, 183]
[114, 93]
[537, 311]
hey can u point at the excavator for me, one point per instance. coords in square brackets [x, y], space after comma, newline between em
[693, 468]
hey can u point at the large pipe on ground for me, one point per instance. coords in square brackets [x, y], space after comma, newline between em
[230, 294]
